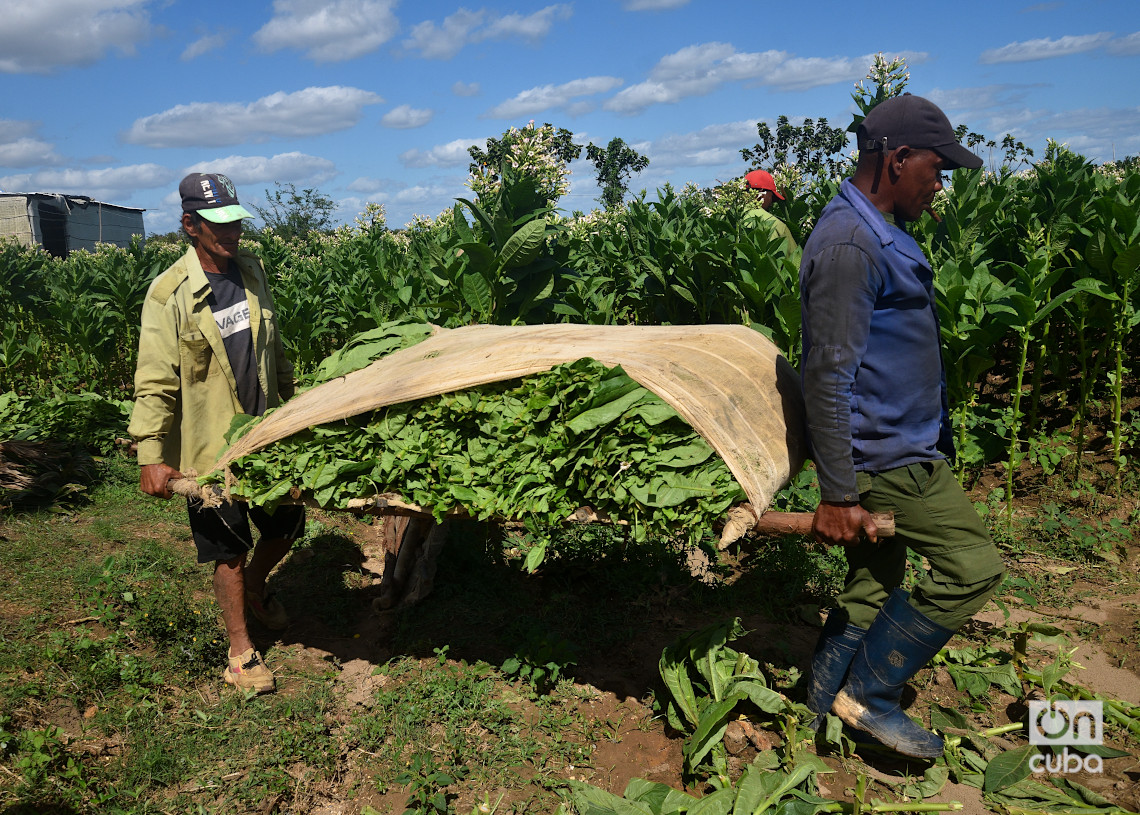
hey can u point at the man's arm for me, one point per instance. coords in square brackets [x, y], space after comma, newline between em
[839, 295]
[157, 385]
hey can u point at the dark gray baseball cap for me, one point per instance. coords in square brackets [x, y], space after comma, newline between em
[916, 122]
[213, 196]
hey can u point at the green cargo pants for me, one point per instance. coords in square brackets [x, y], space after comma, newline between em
[935, 519]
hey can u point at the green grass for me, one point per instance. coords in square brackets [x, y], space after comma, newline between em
[112, 636]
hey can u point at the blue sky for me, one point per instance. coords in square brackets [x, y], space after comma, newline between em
[378, 100]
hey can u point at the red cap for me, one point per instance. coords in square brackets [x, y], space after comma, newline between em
[762, 180]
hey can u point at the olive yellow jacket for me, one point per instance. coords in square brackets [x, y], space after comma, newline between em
[760, 217]
[185, 391]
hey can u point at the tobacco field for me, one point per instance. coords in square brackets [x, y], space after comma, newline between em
[594, 676]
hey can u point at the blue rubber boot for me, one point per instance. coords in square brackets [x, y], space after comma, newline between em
[833, 654]
[899, 642]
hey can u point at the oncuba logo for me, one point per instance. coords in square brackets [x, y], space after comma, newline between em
[1062, 723]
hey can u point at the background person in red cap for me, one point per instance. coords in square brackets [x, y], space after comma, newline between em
[209, 350]
[762, 217]
[875, 396]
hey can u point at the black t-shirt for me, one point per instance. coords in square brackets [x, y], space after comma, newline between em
[228, 301]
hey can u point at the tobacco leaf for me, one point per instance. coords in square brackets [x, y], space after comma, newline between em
[536, 448]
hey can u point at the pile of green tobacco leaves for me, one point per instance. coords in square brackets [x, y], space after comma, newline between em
[532, 449]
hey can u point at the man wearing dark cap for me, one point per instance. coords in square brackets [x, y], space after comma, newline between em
[209, 349]
[877, 415]
[761, 216]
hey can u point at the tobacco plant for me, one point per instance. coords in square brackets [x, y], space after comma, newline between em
[1036, 275]
[1030, 307]
[1114, 251]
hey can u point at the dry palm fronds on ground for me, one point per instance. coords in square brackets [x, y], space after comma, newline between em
[33, 472]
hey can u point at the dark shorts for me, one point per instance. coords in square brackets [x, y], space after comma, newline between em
[223, 533]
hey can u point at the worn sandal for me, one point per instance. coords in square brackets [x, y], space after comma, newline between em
[248, 672]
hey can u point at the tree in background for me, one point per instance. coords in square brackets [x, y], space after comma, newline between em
[796, 154]
[615, 164]
[293, 214]
[815, 147]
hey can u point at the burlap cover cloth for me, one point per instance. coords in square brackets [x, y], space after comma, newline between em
[729, 382]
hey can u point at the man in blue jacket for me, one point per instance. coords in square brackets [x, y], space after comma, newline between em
[875, 396]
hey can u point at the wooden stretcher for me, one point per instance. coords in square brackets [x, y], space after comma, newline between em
[729, 382]
[411, 538]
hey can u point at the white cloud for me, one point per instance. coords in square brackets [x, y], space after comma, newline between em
[995, 110]
[204, 45]
[544, 97]
[465, 27]
[992, 110]
[109, 184]
[695, 60]
[293, 167]
[1127, 46]
[27, 152]
[452, 154]
[448, 39]
[308, 112]
[693, 71]
[21, 147]
[637, 98]
[44, 35]
[1015, 120]
[652, 5]
[727, 133]
[697, 70]
[421, 193]
[801, 73]
[1044, 48]
[530, 27]
[1099, 133]
[465, 89]
[985, 97]
[15, 129]
[406, 117]
[374, 186]
[713, 145]
[329, 31]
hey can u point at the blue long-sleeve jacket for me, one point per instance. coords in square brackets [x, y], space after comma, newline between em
[874, 386]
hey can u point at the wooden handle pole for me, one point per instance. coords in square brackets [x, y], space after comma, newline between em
[742, 520]
[799, 523]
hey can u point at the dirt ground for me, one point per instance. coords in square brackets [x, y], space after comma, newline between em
[616, 684]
